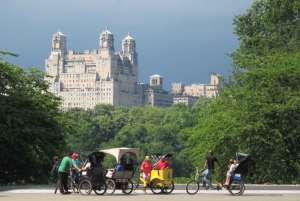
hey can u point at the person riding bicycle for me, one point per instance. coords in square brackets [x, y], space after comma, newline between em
[210, 162]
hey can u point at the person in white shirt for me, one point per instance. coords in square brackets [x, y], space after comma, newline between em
[232, 165]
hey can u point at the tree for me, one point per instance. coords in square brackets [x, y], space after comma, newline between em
[267, 26]
[32, 129]
[258, 109]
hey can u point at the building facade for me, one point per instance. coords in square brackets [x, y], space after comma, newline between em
[204, 90]
[187, 100]
[156, 96]
[85, 79]
[177, 88]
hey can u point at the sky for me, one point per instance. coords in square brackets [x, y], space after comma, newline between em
[181, 40]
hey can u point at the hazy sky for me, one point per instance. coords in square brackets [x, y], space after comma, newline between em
[181, 40]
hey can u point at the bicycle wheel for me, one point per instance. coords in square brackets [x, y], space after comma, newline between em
[127, 187]
[236, 188]
[169, 189]
[100, 190]
[56, 187]
[85, 187]
[192, 187]
[111, 186]
[156, 186]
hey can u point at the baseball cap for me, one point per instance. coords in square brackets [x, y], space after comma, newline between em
[74, 155]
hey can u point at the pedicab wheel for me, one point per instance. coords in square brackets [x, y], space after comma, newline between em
[192, 187]
[236, 188]
[169, 189]
[85, 187]
[111, 186]
[100, 190]
[127, 188]
[157, 186]
[56, 187]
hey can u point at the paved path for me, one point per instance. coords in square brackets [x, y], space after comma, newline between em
[252, 192]
[176, 196]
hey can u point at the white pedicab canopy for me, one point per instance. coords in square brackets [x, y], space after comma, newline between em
[119, 152]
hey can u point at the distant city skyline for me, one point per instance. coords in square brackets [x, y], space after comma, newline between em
[183, 42]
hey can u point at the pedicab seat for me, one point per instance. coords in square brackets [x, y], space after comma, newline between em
[126, 174]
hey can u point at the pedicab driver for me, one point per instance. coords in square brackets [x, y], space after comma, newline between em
[210, 162]
[63, 170]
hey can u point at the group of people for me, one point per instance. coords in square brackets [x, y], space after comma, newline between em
[210, 163]
[61, 170]
[70, 166]
[147, 166]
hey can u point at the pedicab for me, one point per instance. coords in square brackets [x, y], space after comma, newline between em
[161, 181]
[236, 186]
[121, 180]
[93, 178]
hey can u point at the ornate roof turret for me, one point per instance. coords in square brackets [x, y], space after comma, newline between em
[128, 37]
[60, 32]
[108, 32]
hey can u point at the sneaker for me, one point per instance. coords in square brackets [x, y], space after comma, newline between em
[210, 189]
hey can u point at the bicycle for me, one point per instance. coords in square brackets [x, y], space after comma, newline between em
[193, 186]
[70, 179]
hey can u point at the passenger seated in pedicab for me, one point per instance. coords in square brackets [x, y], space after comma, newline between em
[162, 164]
[119, 167]
[90, 164]
[98, 162]
[232, 165]
[129, 165]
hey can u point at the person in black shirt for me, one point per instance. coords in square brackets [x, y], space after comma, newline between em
[210, 162]
[129, 165]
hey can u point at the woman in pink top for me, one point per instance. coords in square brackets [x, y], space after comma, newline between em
[146, 167]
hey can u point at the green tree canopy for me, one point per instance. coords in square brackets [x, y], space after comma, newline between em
[31, 128]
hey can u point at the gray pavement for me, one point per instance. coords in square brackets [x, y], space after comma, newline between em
[251, 187]
[149, 197]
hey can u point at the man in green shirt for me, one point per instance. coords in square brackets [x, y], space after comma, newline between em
[63, 172]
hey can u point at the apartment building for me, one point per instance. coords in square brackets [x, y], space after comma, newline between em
[84, 79]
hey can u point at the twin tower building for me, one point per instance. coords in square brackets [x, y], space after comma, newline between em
[85, 79]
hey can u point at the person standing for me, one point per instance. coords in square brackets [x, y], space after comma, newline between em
[146, 168]
[55, 168]
[74, 171]
[210, 162]
[63, 170]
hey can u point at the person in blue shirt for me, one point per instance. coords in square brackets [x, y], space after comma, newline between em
[119, 166]
[75, 172]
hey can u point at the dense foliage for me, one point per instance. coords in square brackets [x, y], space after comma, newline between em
[31, 127]
[153, 130]
[258, 109]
